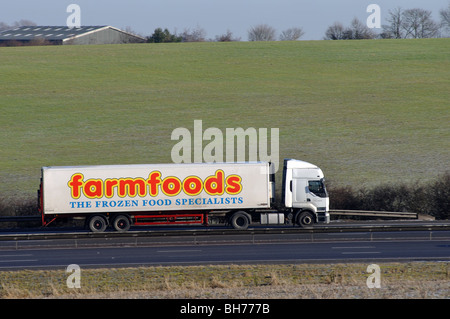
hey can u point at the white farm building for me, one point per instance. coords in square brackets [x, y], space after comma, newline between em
[61, 35]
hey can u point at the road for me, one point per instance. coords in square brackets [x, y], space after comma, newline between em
[189, 254]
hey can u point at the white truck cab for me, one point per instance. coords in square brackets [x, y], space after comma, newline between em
[304, 192]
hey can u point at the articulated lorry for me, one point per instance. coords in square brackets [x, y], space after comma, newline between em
[236, 194]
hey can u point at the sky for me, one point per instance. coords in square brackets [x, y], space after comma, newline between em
[214, 16]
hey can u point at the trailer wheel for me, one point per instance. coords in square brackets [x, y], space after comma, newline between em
[121, 223]
[240, 221]
[97, 224]
[305, 219]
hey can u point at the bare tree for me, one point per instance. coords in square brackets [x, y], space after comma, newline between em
[196, 35]
[227, 37]
[411, 23]
[417, 23]
[261, 32]
[16, 24]
[291, 34]
[358, 31]
[4, 26]
[24, 22]
[394, 29]
[445, 17]
[335, 32]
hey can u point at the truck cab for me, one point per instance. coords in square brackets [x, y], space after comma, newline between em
[304, 192]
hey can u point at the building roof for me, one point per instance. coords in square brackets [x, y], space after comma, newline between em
[51, 33]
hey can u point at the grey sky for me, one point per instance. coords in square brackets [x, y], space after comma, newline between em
[215, 16]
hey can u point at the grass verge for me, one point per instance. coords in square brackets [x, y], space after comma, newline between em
[398, 280]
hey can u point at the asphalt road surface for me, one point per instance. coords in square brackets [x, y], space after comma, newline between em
[191, 254]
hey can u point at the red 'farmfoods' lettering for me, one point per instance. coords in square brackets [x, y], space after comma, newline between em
[216, 184]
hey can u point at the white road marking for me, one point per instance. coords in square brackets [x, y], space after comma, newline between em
[179, 251]
[353, 247]
[356, 252]
[360, 252]
[23, 255]
[17, 260]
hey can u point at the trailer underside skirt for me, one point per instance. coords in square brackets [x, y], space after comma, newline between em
[170, 219]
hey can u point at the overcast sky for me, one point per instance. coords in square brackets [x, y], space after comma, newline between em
[214, 16]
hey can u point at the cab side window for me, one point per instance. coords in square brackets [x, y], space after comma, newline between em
[317, 188]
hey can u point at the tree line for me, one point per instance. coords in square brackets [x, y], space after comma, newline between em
[401, 24]
[261, 32]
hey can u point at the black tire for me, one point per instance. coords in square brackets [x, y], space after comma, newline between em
[97, 224]
[121, 223]
[240, 221]
[305, 219]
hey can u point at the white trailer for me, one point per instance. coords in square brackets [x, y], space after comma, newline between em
[202, 193]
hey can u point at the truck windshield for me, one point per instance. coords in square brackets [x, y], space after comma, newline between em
[317, 188]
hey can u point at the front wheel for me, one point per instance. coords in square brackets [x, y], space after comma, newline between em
[305, 219]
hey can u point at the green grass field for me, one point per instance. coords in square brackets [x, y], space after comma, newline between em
[367, 112]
